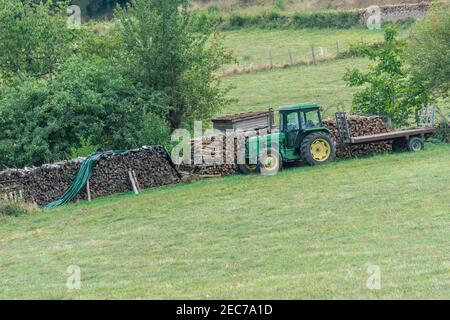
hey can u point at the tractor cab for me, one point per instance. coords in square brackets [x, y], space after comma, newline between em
[299, 120]
[301, 137]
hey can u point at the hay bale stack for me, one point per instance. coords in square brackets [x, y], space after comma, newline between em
[42, 185]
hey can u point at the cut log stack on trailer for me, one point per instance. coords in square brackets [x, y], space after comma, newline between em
[360, 126]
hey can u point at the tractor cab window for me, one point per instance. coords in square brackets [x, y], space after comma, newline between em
[292, 122]
[312, 119]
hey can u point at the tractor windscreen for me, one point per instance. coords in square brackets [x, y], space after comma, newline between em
[312, 119]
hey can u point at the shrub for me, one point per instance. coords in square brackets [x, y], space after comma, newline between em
[299, 20]
[325, 19]
[429, 51]
[42, 121]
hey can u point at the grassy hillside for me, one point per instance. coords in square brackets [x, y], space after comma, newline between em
[320, 83]
[305, 233]
[253, 47]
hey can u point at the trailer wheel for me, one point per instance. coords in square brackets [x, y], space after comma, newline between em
[415, 144]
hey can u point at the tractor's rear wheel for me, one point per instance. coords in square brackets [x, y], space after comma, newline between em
[318, 148]
[269, 162]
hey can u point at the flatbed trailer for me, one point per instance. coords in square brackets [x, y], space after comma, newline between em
[411, 139]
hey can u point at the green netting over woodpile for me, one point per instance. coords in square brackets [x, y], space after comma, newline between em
[82, 177]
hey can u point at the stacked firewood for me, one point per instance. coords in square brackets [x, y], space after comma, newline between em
[360, 126]
[151, 167]
[213, 156]
[217, 155]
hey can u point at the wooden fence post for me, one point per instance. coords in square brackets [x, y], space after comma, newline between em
[133, 183]
[291, 60]
[88, 191]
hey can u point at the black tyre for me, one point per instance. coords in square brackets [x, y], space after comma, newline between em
[415, 144]
[269, 162]
[247, 168]
[318, 148]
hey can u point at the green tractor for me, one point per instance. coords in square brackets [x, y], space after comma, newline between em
[301, 137]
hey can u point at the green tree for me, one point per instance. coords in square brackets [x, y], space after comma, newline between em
[44, 120]
[166, 54]
[429, 51]
[387, 89]
[34, 37]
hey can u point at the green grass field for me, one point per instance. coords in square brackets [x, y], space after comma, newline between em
[253, 47]
[305, 233]
[320, 83]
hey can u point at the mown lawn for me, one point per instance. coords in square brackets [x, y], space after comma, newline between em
[320, 83]
[306, 233]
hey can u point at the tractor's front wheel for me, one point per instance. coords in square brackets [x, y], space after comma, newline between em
[318, 148]
[269, 162]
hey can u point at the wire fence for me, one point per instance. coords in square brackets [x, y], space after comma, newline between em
[287, 57]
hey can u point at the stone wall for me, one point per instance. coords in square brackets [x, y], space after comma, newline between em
[394, 13]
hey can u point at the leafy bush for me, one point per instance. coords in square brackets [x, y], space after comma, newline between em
[42, 121]
[86, 148]
[156, 131]
[299, 20]
[118, 89]
[429, 51]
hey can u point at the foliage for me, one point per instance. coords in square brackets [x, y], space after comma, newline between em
[34, 37]
[429, 53]
[43, 120]
[272, 19]
[85, 149]
[163, 52]
[156, 131]
[70, 93]
[387, 88]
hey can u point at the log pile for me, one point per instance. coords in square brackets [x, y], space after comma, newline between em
[210, 146]
[360, 126]
[217, 155]
[41, 185]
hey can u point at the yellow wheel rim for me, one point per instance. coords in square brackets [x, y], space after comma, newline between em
[251, 167]
[320, 150]
[270, 162]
